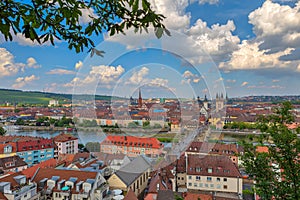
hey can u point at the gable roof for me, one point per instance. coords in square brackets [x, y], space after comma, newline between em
[132, 141]
[220, 166]
[165, 195]
[130, 195]
[29, 172]
[161, 178]
[214, 148]
[14, 161]
[63, 174]
[130, 172]
[64, 137]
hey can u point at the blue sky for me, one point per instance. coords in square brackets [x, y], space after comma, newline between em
[241, 48]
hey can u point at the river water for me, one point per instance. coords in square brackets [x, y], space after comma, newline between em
[83, 136]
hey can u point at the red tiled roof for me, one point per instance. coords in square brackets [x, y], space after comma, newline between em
[220, 166]
[162, 178]
[10, 178]
[13, 145]
[130, 195]
[132, 141]
[262, 149]
[214, 148]
[63, 174]
[29, 172]
[64, 137]
[25, 143]
[194, 196]
[2, 197]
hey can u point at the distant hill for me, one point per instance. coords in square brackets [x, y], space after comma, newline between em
[34, 97]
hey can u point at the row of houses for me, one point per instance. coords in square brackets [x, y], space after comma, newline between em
[200, 169]
[34, 150]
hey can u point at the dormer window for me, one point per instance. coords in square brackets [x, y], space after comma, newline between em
[8, 149]
[209, 170]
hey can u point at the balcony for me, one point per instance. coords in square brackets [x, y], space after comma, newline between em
[24, 189]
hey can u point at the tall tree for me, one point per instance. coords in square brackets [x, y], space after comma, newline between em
[47, 20]
[276, 170]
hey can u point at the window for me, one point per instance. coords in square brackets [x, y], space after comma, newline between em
[212, 185]
[195, 184]
[218, 179]
[190, 184]
[209, 170]
[225, 179]
[200, 184]
[218, 186]
[198, 169]
[206, 185]
[208, 178]
[225, 187]
[8, 149]
[198, 178]
[190, 177]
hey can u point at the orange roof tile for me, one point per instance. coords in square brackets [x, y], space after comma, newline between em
[193, 196]
[29, 172]
[64, 137]
[261, 149]
[130, 195]
[132, 141]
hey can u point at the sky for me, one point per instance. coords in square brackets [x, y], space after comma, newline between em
[234, 47]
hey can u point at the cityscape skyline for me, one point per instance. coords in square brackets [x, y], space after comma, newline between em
[249, 59]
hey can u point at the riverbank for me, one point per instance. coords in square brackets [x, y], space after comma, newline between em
[42, 128]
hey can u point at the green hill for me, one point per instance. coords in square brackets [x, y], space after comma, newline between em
[43, 98]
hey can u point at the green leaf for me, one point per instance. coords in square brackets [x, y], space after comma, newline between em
[159, 32]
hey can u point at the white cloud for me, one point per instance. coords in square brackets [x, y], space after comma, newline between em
[22, 81]
[21, 40]
[8, 66]
[31, 63]
[102, 74]
[278, 26]
[138, 76]
[78, 65]
[200, 41]
[187, 74]
[244, 84]
[61, 72]
[230, 80]
[208, 1]
[265, 87]
[249, 56]
[190, 77]
[159, 82]
[217, 40]
[86, 16]
[174, 11]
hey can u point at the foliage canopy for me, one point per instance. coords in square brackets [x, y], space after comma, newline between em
[50, 20]
[276, 169]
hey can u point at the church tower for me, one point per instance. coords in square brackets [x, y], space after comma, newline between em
[219, 102]
[140, 101]
[205, 102]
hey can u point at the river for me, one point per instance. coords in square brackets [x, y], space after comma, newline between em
[83, 137]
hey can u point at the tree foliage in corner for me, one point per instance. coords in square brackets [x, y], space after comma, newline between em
[47, 20]
[276, 171]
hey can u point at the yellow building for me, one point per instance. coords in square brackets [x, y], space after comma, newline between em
[132, 176]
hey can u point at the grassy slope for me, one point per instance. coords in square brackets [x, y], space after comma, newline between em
[28, 97]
